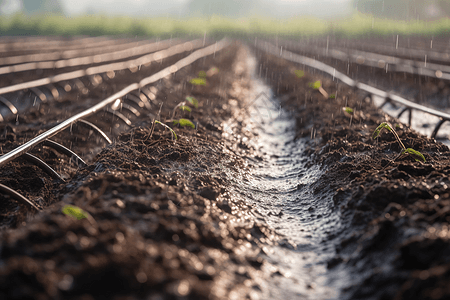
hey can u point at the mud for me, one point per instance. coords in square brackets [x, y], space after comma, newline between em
[396, 234]
[302, 206]
[165, 226]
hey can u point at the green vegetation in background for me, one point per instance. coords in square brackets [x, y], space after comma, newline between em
[356, 25]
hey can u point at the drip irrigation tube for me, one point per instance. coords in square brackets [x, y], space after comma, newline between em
[105, 68]
[39, 62]
[4, 159]
[389, 63]
[274, 50]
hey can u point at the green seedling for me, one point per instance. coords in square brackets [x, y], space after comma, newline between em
[202, 74]
[192, 100]
[316, 85]
[414, 153]
[348, 110]
[185, 108]
[332, 96]
[408, 151]
[299, 73]
[171, 130]
[184, 122]
[198, 81]
[75, 212]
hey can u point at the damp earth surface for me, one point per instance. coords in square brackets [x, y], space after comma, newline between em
[278, 193]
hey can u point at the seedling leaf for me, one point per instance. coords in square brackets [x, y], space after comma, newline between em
[75, 212]
[198, 81]
[380, 127]
[193, 101]
[414, 153]
[202, 74]
[315, 85]
[299, 73]
[348, 110]
[184, 107]
[184, 122]
[332, 96]
[171, 130]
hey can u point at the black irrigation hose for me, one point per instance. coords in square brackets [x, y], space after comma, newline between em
[274, 50]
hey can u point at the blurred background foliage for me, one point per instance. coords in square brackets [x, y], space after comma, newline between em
[220, 17]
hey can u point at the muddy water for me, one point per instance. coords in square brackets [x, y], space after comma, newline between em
[281, 189]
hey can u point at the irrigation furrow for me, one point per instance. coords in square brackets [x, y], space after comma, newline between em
[272, 187]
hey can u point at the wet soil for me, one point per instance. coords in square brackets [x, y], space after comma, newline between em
[432, 92]
[395, 239]
[164, 226]
[168, 221]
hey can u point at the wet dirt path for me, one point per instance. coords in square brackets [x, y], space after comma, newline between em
[280, 187]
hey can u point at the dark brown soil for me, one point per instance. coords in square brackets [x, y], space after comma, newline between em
[165, 225]
[396, 241]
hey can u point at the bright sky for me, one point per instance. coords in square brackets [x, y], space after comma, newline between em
[74, 7]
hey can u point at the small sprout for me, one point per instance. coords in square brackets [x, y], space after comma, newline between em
[316, 85]
[377, 131]
[193, 101]
[414, 153]
[184, 107]
[299, 73]
[348, 110]
[75, 212]
[202, 74]
[184, 122]
[332, 96]
[408, 151]
[198, 81]
[397, 126]
[171, 130]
